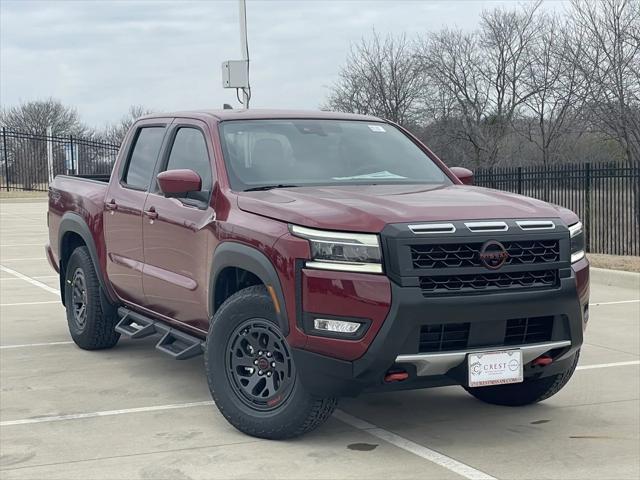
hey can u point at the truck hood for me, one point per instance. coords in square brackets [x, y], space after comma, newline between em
[368, 208]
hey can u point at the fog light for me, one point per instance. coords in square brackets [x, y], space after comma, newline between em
[338, 326]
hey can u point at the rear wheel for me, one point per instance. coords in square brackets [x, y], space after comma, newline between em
[527, 392]
[90, 326]
[251, 372]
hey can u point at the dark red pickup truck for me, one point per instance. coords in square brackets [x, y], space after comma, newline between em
[314, 255]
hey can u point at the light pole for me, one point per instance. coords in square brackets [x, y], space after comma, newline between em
[244, 49]
[235, 73]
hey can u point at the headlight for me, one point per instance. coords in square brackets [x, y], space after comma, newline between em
[351, 252]
[577, 241]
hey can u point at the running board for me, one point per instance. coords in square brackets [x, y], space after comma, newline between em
[175, 343]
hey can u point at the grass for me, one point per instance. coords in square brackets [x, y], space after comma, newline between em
[627, 263]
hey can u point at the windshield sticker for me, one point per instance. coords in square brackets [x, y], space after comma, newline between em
[376, 128]
[372, 176]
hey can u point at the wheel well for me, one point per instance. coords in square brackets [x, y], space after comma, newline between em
[70, 241]
[231, 280]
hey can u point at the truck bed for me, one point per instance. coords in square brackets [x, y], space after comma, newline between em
[81, 195]
[103, 178]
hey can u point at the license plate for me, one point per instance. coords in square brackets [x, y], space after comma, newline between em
[495, 368]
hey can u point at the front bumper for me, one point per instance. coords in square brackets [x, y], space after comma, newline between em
[395, 345]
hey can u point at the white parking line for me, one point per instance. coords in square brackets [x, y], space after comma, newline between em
[22, 245]
[433, 456]
[106, 413]
[37, 277]
[28, 303]
[36, 283]
[607, 365]
[56, 418]
[22, 259]
[613, 303]
[27, 345]
[438, 458]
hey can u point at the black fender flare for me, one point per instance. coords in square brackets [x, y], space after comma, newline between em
[233, 254]
[73, 222]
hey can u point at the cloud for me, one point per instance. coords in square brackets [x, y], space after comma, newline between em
[102, 56]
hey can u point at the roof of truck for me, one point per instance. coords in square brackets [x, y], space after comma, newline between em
[263, 114]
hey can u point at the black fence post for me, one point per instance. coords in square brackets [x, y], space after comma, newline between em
[73, 163]
[587, 205]
[6, 157]
[520, 180]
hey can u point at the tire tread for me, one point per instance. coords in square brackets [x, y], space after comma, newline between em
[318, 409]
[99, 332]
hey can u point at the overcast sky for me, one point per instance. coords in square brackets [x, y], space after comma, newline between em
[102, 56]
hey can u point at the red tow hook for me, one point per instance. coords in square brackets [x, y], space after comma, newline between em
[396, 377]
[542, 361]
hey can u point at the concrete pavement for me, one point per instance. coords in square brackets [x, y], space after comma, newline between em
[131, 412]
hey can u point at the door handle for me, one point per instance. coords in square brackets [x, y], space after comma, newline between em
[111, 205]
[151, 214]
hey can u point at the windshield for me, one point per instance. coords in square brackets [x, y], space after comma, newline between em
[272, 153]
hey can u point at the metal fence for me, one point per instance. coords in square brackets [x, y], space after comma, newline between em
[606, 196]
[30, 161]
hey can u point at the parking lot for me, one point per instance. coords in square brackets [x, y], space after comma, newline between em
[131, 412]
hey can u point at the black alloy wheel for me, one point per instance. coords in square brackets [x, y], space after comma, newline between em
[259, 365]
[79, 298]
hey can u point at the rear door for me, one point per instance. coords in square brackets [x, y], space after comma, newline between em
[124, 205]
[175, 231]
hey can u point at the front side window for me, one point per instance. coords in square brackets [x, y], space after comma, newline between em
[143, 157]
[266, 153]
[189, 151]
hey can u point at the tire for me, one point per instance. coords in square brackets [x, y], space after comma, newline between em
[89, 325]
[527, 392]
[267, 399]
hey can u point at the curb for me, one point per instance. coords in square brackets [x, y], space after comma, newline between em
[615, 278]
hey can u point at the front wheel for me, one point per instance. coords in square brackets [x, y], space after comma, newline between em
[527, 392]
[251, 372]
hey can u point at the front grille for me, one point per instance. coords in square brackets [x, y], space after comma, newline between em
[486, 282]
[467, 254]
[528, 330]
[455, 336]
[444, 337]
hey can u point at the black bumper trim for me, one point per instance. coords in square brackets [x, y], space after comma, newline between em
[325, 375]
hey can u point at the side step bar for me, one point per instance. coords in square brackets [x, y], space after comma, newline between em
[177, 344]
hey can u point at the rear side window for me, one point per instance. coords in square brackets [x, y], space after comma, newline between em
[189, 150]
[143, 157]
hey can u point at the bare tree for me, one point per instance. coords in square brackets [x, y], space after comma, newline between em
[380, 78]
[554, 84]
[609, 60]
[480, 77]
[456, 93]
[27, 154]
[114, 133]
[608, 56]
[36, 116]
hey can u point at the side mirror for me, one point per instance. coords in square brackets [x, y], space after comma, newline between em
[464, 175]
[177, 183]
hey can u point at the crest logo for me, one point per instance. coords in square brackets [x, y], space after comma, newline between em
[493, 255]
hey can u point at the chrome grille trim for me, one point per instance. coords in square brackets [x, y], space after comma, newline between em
[536, 224]
[426, 228]
[487, 226]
